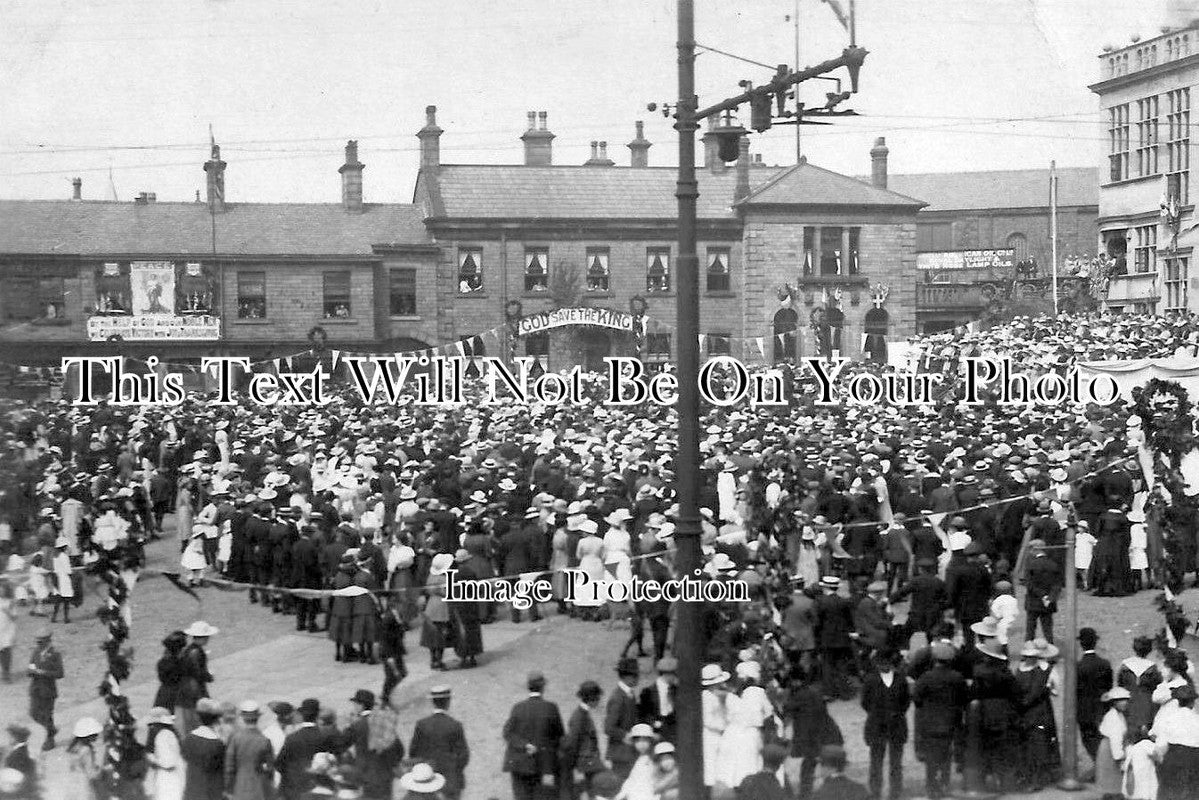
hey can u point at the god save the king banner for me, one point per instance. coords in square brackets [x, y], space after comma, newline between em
[562, 317]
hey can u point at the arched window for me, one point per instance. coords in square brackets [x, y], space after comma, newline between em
[786, 323]
[1018, 243]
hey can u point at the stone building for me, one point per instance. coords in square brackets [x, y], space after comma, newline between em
[1146, 209]
[790, 257]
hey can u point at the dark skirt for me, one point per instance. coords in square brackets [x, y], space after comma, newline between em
[469, 634]
[1178, 774]
[437, 635]
[341, 629]
[364, 627]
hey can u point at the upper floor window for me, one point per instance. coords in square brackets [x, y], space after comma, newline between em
[32, 298]
[597, 269]
[337, 294]
[657, 269]
[537, 275]
[830, 251]
[1147, 136]
[1176, 284]
[855, 242]
[537, 344]
[251, 295]
[657, 348]
[1178, 144]
[1118, 142]
[719, 344]
[1145, 249]
[809, 249]
[1018, 244]
[402, 293]
[470, 270]
[718, 269]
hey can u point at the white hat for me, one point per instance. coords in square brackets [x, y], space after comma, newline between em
[665, 531]
[201, 628]
[712, 675]
[640, 731]
[422, 778]
[10, 780]
[959, 540]
[441, 564]
[749, 669]
[86, 726]
[587, 526]
[618, 516]
[249, 708]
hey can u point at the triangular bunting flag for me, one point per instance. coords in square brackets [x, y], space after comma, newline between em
[461, 348]
[864, 336]
[702, 340]
[277, 362]
[544, 363]
[289, 369]
[761, 343]
[336, 357]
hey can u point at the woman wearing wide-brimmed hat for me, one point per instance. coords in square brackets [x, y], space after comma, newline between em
[86, 761]
[714, 680]
[1041, 756]
[1109, 758]
[166, 779]
[437, 633]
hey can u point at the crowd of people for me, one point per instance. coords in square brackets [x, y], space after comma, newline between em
[349, 517]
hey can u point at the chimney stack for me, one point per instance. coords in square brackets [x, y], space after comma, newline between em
[742, 189]
[712, 148]
[430, 140]
[599, 156]
[215, 169]
[538, 141]
[77, 189]
[639, 148]
[351, 178]
[878, 162]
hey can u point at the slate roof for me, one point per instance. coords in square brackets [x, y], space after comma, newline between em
[1016, 188]
[97, 228]
[807, 183]
[487, 191]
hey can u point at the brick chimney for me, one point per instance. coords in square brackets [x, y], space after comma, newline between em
[215, 169]
[742, 189]
[351, 178]
[712, 148]
[77, 189]
[539, 142]
[430, 140]
[639, 148]
[878, 162]
[599, 156]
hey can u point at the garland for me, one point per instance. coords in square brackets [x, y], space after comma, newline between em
[124, 756]
[1165, 411]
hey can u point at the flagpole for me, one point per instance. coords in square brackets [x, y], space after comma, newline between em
[1053, 228]
[798, 126]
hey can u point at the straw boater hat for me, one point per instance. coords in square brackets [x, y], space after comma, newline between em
[200, 628]
[86, 726]
[422, 779]
[1114, 694]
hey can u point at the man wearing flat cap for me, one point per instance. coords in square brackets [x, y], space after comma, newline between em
[440, 740]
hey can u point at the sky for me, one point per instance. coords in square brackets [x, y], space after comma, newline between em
[122, 93]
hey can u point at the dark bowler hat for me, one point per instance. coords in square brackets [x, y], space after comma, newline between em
[364, 698]
[628, 666]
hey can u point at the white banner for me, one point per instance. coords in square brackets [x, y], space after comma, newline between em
[144, 328]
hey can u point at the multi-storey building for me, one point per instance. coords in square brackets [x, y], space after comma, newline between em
[1146, 201]
[567, 264]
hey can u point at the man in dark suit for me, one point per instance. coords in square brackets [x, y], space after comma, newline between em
[1044, 582]
[656, 703]
[940, 696]
[885, 698]
[440, 740]
[45, 671]
[871, 620]
[929, 598]
[620, 716]
[257, 537]
[580, 750]
[306, 574]
[834, 623]
[298, 749]
[533, 733]
[764, 785]
[968, 586]
[1094, 679]
[515, 552]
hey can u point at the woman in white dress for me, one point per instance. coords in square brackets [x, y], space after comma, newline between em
[8, 629]
[166, 778]
[713, 679]
[739, 754]
[184, 512]
[64, 588]
[589, 551]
